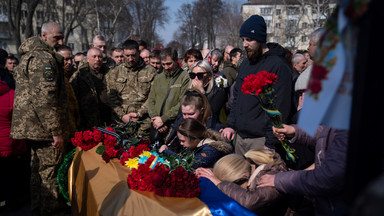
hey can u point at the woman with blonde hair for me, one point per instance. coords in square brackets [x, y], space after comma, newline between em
[237, 176]
[202, 79]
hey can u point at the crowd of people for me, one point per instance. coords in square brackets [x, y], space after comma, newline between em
[192, 104]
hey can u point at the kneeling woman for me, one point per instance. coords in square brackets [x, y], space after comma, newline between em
[207, 145]
[237, 176]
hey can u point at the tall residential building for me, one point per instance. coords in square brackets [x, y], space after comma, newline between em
[290, 22]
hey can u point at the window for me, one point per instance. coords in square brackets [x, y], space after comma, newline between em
[69, 16]
[266, 11]
[71, 45]
[292, 11]
[278, 12]
[278, 25]
[277, 39]
[68, 2]
[24, 14]
[40, 15]
[304, 38]
[291, 25]
[304, 25]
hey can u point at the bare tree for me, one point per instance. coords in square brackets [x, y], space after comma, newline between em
[14, 16]
[112, 15]
[229, 24]
[209, 12]
[148, 15]
[189, 26]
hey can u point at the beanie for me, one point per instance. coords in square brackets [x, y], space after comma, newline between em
[254, 27]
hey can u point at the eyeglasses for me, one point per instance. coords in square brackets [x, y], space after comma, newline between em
[199, 75]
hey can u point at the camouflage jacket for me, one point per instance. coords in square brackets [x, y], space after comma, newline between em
[40, 107]
[128, 89]
[94, 111]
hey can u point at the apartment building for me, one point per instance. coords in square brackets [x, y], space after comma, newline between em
[290, 22]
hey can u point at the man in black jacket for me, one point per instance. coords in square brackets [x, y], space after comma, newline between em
[247, 119]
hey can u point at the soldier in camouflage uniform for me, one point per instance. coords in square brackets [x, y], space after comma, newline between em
[90, 87]
[128, 87]
[40, 115]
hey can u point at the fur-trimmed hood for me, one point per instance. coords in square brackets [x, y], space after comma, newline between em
[217, 141]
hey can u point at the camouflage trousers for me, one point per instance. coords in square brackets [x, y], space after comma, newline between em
[46, 198]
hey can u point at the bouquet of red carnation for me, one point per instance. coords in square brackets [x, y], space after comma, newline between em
[260, 84]
[87, 139]
[151, 174]
[178, 183]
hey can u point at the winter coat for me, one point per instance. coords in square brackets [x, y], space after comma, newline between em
[92, 100]
[8, 146]
[246, 116]
[209, 150]
[326, 182]
[262, 201]
[128, 90]
[40, 107]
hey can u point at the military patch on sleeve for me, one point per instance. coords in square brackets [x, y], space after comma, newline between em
[49, 74]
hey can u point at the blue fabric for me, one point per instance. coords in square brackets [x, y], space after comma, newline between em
[218, 203]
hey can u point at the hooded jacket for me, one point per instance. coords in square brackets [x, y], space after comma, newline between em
[8, 146]
[209, 150]
[40, 106]
[246, 116]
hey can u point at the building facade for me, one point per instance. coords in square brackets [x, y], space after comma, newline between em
[290, 22]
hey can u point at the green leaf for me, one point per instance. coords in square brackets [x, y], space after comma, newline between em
[100, 150]
[135, 140]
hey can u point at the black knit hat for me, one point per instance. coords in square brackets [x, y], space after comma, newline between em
[254, 27]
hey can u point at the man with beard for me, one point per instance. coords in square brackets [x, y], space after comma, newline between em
[73, 107]
[247, 118]
[90, 87]
[155, 61]
[40, 115]
[166, 92]
[128, 88]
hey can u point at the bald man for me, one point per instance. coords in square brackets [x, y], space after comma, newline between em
[40, 115]
[90, 87]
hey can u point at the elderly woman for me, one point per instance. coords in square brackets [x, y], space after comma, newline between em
[202, 79]
[238, 176]
[206, 145]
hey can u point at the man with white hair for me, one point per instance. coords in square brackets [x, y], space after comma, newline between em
[99, 42]
[299, 63]
[40, 115]
[90, 86]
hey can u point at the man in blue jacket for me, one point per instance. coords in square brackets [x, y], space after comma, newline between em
[247, 120]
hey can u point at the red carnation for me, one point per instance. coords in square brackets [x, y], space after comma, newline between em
[254, 83]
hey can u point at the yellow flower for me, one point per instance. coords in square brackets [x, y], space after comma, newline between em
[132, 163]
[146, 153]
